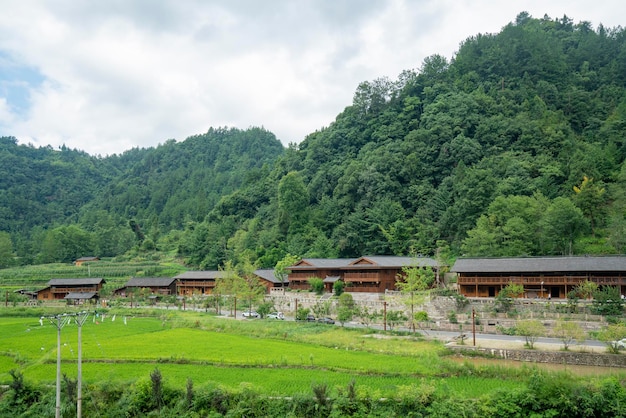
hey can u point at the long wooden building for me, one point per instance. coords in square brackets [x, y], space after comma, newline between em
[541, 277]
[374, 274]
[60, 288]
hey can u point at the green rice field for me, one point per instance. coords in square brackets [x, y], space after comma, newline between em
[272, 357]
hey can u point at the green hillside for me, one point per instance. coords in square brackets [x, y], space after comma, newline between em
[515, 146]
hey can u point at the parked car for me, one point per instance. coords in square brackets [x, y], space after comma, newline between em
[251, 314]
[276, 315]
[310, 318]
[326, 320]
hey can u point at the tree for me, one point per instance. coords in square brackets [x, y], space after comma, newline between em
[590, 198]
[338, 287]
[293, 203]
[413, 284]
[345, 308]
[562, 224]
[568, 332]
[281, 270]
[531, 330]
[585, 289]
[607, 300]
[317, 285]
[611, 335]
[6, 250]
[395, 318]
[504, 299]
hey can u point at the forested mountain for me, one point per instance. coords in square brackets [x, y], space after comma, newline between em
[57, 205]
[515, 146]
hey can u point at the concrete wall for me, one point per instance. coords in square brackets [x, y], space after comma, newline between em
[559, 357]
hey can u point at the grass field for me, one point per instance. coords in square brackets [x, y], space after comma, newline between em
[273, 357]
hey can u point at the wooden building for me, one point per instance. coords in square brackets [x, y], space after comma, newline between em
[541, 277]
[380, 273]
[82, 260]
[197, 282]
[269, 279]
[79, 298]
[160, 286]
[365, 274]
[307, 268]
[59, 288]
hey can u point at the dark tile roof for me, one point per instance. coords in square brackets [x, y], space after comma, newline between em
[394, 261]
[540, 264]
[268, 274]
[150, 282]
[307, 263]
[81, 295]
[201, 275]
[75, 282]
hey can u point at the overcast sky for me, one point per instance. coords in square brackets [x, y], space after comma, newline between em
[107, 76]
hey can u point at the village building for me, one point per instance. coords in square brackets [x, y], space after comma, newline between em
[270, 281]
[79, 298]
[197, 282]
[159, 286]
[321, 268]
[375, 274]
[541, 277]
[59, 288]
[82, 260]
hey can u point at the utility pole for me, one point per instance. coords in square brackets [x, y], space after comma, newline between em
[59, 321]
[474, 326]
[385, 316]
[81, 317]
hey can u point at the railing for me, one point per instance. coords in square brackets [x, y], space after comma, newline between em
[536, 280]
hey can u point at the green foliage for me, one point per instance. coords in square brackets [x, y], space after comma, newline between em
[512, 147]
[607, 300]
[338, 287]
[531, 330]
[568, 332]
[345, 308]
[504, 299]
[395, 318]
[317, 285]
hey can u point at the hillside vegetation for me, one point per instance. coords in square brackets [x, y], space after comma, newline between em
[515, 146]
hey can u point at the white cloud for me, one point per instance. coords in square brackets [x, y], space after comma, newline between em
[119, 74]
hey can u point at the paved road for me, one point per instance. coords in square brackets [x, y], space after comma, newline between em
[483, 338]
[449, 335]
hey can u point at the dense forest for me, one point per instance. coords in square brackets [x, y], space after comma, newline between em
[515, 146]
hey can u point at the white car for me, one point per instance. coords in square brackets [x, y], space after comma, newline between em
[276, 315]
[250, 314]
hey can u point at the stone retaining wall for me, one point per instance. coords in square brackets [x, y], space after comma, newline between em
[558, 357]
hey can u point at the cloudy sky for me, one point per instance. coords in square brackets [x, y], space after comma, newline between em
[107, 76]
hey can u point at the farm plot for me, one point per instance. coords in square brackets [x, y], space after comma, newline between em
[125, 349]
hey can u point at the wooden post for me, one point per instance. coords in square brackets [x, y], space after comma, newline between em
[474, 326]
[385, 315]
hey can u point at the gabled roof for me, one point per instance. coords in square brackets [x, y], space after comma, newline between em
[75, 282]
[81, 295]
[307, 263]
[540, 264]
[268, 274]
[331, 279]
[202, 275]
[150, 282]
[393, 261]
[87, 259]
